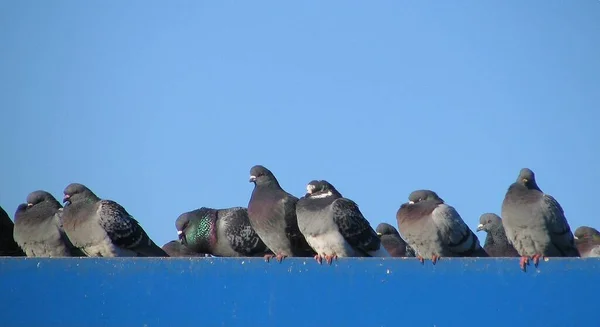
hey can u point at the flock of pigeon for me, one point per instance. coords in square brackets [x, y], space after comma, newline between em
[322, 224]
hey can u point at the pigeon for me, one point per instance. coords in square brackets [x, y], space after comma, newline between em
[176, 249]
[496, 244]
[587, 241]
[223, 232]
[435, 229]
[393, 243]
[535, 223]
[8, 246]
[334, 226]
[103, 228]
[272, 213]
[38, 228]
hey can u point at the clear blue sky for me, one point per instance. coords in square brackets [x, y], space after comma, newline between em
[165, 106]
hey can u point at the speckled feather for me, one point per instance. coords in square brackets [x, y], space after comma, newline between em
[535, 222]
[104, 228]
[434, 228]
[334, 225]
[220, 232]
[8, 246]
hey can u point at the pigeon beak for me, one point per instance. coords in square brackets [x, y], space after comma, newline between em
[411, 202]
[29, 205]
[182, 238]
[479, 227]
[66, 198]
[252, 179]
[525, 180]
[379, 234]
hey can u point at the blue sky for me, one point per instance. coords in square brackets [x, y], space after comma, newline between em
[164, 107]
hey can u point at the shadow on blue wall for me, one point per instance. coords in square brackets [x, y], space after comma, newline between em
[297, 292]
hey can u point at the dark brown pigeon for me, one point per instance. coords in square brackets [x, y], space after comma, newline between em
[272, 213]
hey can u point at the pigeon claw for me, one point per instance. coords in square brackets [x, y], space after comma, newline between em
[319, 259]
[268, 257]
[435, 258]
[536, 259]
[524, 262]
[280, 257]
[421, 259]
[329, 258]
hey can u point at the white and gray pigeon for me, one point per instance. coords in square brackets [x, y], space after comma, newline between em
[587, 240]
[535, 223]
[435, 229]
[39, 230]
[222, 232]
[103, 228]
[334, 226]
[393, 242]
[272, 214]
[496, 244]
[8, 246]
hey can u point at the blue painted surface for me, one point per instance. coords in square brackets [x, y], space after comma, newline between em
[298, 292]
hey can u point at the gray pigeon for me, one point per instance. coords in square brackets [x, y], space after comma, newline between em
[535, 223]
[223, 232]
[587, 240]
[38, 228]
[103, 228]
[496, 244]
[393, 242]
[176, 249]
[8, 246]
[435, 229]
[334, 226]
[272, 213]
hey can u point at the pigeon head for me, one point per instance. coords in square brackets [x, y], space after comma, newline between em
[76, 192]
[197, 229]
[527, 179]
[488, 221]
[260, 175]
[423, 195]
[182, 223]
[586, 232]
[386, 229]
[321, 189]
[38, 197]
[21, 208]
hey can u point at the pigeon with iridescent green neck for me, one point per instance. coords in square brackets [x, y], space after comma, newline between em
[222, 233]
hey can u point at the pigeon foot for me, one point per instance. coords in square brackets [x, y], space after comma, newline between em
[280, 257]
[524, 262]
[268, 257]
[319, 258]
[330, 258]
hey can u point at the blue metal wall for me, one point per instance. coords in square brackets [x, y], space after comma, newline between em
[298, 292]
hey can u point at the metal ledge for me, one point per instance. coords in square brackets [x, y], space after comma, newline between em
[362, 292]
